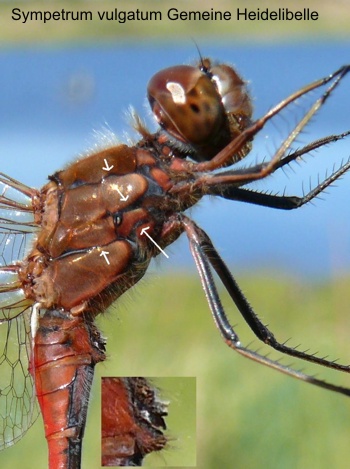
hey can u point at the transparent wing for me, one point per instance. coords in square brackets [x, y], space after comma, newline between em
[18, 407]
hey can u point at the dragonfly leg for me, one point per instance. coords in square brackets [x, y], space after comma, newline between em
[205, 255]
[275, 201]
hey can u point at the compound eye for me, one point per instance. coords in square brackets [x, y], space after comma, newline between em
[186, 103]
[233, 92]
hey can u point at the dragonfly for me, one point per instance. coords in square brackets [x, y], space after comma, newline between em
[71, 249]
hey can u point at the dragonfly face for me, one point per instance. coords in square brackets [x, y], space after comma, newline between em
[203, 108]
[89, 246]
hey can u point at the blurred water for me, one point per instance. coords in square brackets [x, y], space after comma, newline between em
[51, 101]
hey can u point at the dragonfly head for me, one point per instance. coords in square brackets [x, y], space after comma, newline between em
[202, 108]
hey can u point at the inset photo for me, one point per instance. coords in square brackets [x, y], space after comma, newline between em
[148, 421]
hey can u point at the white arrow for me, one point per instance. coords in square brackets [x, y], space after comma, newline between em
[105, 254]
[106, 167]
[144, 231]
[122, 197]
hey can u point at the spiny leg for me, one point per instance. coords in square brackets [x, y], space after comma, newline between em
[243, 176]
[205, 254]
[275, 201]
[286, 160]
[321, 142]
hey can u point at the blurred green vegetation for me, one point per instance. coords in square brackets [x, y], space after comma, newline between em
[248, 416]
[333, 21]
